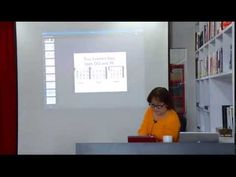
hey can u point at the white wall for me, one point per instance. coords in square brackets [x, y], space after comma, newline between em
[182, 36]
[56, 131]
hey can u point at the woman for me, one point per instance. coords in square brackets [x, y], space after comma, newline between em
[160, 119]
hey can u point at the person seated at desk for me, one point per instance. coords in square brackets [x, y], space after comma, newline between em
[160, 117]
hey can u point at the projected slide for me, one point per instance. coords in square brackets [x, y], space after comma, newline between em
[100, 72]
[84, 67]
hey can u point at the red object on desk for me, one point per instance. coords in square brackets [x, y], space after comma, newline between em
[141, 139]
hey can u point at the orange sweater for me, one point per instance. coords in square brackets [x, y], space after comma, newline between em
[169, 124]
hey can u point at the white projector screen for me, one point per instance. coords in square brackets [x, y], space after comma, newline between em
[85, 81]
[94, 61]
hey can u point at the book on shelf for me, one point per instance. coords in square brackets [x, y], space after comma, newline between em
[230, 57]
[216, 62]
[227, 116]
[225, 24]
[207, 66]
[221, 59]
[196, 67]
[196, 40]
[224, 116]
[211, 29]
[200, 39]
[205, 33]
[208, 31]
[218, 27]
[213, 63]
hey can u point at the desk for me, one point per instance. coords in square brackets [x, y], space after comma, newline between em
[155, 148]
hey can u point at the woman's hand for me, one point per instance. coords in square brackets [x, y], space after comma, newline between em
[151, 135]
[154, 136]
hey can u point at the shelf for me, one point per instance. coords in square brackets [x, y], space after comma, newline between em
[203, 46]
[212, 41]
[203, 78]
[222, 75]
[228, 29]
[214, 90]
[217, 76]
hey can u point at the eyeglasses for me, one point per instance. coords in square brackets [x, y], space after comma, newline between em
[156, 106]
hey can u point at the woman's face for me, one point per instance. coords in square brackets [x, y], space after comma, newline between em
[158, 107]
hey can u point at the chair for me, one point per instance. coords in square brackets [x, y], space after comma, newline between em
[183, 122]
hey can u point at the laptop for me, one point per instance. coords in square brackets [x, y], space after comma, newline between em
[199, 137]
[141, 139]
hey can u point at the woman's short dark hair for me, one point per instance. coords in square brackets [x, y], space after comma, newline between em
[163, 95]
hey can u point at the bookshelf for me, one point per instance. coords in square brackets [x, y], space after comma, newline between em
[177, 87]
[214, 59]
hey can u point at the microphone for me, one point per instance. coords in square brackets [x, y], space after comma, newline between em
[155, 121]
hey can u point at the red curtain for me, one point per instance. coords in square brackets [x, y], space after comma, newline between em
[8, 89]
